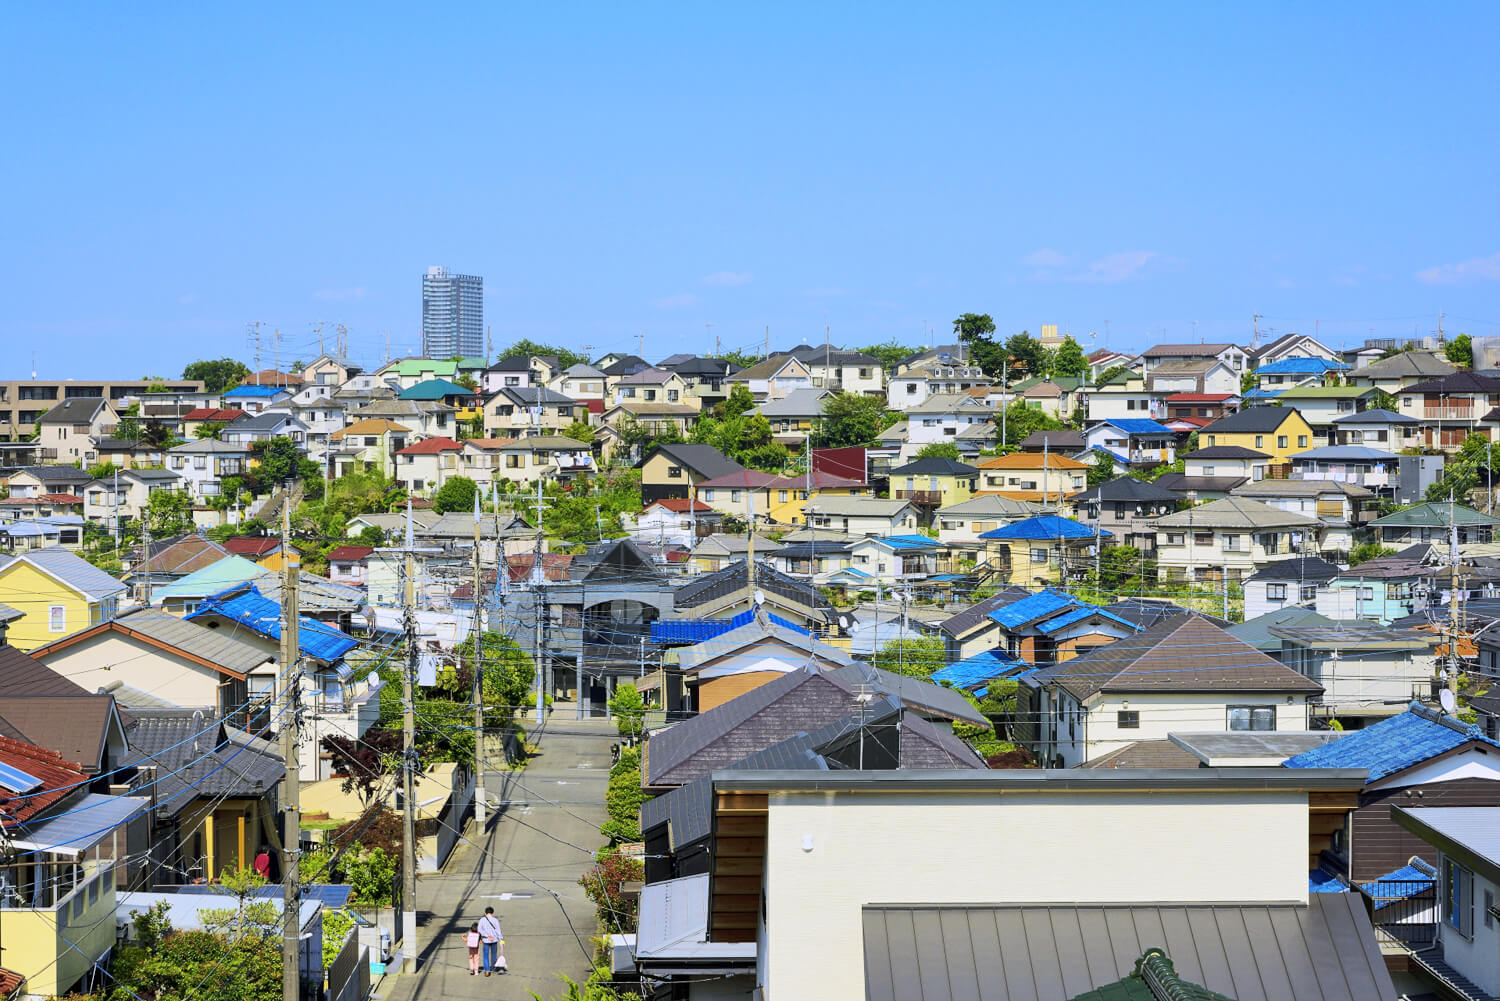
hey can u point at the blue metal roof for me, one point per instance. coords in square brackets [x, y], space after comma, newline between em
[686, 632]
[1044, 603]
[1261, 394]
[253, 392]
[905, 542]
[1043, 527]
[260, 614]
[1393, 745]
[1080, 613]
[1301, 366]
[978, 669]
[1138, 425]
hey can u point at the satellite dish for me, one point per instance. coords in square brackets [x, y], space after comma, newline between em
[373, 679]
[1449, 703]
[760, 597]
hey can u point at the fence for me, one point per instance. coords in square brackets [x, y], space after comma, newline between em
[1403, 911]
[349, 976]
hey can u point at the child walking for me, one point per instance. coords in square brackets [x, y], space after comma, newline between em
[471, 939]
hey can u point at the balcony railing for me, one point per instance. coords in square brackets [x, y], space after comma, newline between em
[1404, 912]
[921, 497]
[1463, 412]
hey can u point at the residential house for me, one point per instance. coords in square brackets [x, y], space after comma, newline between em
[536, 410]
[773, 378]
[1392, 375]
[890, 559]
[740, 494]
[40, 506]
[1373, 469]
[960, 525]
[676, 520]
[705, 378]
[1451, 407]
[651, 385]
[1368, 671]
[583, 383]
[1041, 550]
[616, 365]
[1343, 509]
[1184, 673]
[1232, 355]
[1286, 584]
[125, 496]
[183, 595]
[1064, 442]
[253, 399]
[1167, 378]
[817, 560]
[720, 668]
[425, 418]
[1073, 923]
[1279, 432]
[1043, 477]
[1291, 346]
[1229, 539]
[745, 584]
[328, 370]
[1431, 521]
[915, 380]
[1140, 442]
[519, 372]
[1297, 372]
[654, 418]
[34, 481]
[1210, 406]
[370, 443]
[787, 498]
[57, 593]
[466, 403]
[971, 632]
[1059, 397]
[1381, 590]
[1375, 428]
[403, 373]
[932, 483]
[1321, 406]
[265, 551]
[168, 560]
[862, 516]
[1126, 395]
[841, 371]
[1104, 359]
[422, 466]
[67, 431]
[717, 551]
[348, 564]
[793, 416]
[1210, 473]
[525, 460]
[672, 470]
[1049, 627]
[203, 464]
[1128, 506]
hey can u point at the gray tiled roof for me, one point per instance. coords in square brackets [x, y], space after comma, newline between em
[196, 757]
[214, 645]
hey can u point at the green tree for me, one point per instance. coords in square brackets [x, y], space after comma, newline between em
[1069, 359]
[1110, 373]
[168, 513]
[915, 658]
[623, 795]
[939, 450]
[1248, 381]
[739, 401]
[217, 376]
[580, 431]
[168, 965]
[850, 419]
[745, 438]
[209, 429]
[744, 359]
[890, 354]
[456, 494]
[526, 346]
[1384, 401]
[629, 710]
[1021, 420]
[1102, 471]
[102, 470]
[1460, 351]
[971, 328]
[278, 460]
[1367, 551]
[975, 332]
[1026, 352]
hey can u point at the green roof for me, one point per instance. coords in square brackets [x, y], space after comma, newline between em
[1154, 979]
[416, 366]
[434, 389]
[1433, 514]
[472, 364]
[1326, 392]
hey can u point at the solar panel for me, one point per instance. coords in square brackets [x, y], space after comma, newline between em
[18, 781]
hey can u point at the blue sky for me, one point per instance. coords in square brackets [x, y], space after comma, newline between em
[685, 172]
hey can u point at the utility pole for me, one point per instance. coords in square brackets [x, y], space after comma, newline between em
[479, 793]
[1004, 403]
[291, 836]
[1255, 319]
[640, 345]
[539, 608]
[276, 355]
[1453, 615]
[409, 948]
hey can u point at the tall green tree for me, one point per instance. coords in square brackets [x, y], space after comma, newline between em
[456, 494]
[526, 346]
[217, 375]
[850, 419]
[975, 331]
[1026, 352]
[939, 450]
[915, 658]
[1069, 359]
[890, 354]
[1102, 471]
[1460, 351]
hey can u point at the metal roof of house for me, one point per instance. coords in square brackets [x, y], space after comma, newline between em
[1394, 744]
[215, 646]
[1462, 381]
[1234, 512]
[1252, 420]
[198, 757]
[991, 504]
[434, 389]
[75, 410]
[933, 466]
[1405, 365]
[1123, 488]
[1471, 834]
[1434, 514]
[1375, 415]
[73, 571]
[254, 392]
[1302, 568]
[797, 403]
[82, 824]
[248, 608]
[705, 460]
[1044, 527]
[213, 578]
[1226, 452]
[1325, 949]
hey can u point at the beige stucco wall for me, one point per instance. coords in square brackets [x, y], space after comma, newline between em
[1162, 714]
[1072, 848]
[95, 662]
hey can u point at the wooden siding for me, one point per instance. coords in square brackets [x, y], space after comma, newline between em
[716, 691]
[1379, 846]
[739, 862]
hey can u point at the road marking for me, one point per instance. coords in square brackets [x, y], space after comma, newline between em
[508, 896]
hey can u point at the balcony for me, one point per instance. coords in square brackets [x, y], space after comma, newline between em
[1450, 412]
[922, 498]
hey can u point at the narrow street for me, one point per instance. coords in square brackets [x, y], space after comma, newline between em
[526, 866]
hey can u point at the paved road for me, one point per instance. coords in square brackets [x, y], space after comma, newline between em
[555, 804]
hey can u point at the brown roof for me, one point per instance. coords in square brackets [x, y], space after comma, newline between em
[1145, 754]
[369, 425]
[73, 726]
[185, 556]
[350, 554]
[247, 545]
[22, 674]
[1186, 653]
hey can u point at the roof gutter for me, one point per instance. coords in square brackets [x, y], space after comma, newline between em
[1002, 781]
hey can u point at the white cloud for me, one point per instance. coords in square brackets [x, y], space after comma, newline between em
[1484, 269]
[1049, 265]
[340, 294]
[727, 279]
[681, 300]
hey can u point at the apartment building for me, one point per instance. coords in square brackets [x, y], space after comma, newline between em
[23, 401]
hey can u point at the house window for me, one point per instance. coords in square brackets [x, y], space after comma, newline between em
[1208, 470]
[1275, 592]
[1128, 719]
[708, 494]
[57, 619]
[1281, 441]
[1252, 717]
[1489, 908]
[1174, 538]
[734, 496]
[1309, 592]
[1302, 441]
[781, 496]
[1039, 556]
[1458, 898]
[1231, 543]
[674, 472]
[1260, 441]
[513, 461]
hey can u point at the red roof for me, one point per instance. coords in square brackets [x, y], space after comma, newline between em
[743, 478]
[554, 565]
[820, 481]
[1200, 397]
[1198, 422]
[48, 498]
[350, 554]
[58, 778]
[430, 446]
[213, 414]
[679, 505]
[417, 503]
[9, 981]
[245, 545]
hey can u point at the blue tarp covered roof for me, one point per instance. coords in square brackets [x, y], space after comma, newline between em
[1080, 613]
[253, 391]
[978, 669]
[1043, 527]
[1261, 394]
[1411, 879]
[1032, 607]
[1137, 425]
[685, 632]
[905, 542]
[1300, 366]
[1320, 881]
[1393, 744]
[248, 607]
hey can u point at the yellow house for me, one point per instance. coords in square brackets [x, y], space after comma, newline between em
[933, 483]
[369, 443]
[58, 593]
[1041, 550]
[1280, 432]
[787, 496]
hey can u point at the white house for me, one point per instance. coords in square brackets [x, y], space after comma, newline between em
[1286, 583]
[676, 521]
[1229, 539]
[942, 417]
[204, 463]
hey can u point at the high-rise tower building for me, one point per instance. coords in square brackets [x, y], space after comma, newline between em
[452, 314]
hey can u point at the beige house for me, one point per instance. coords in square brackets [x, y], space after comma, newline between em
[961, 524]
[652, 385]
[656, 418]
[422, 467]
[773, 378]
[370, 443]
[530, 410]
[579, 382]
[66, 433]
[1230, 539]
[861, 516]
[105, 502]
[525, 460]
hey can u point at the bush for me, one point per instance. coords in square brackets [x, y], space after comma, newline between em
[623, 798]
[602, 884]
[629, 710]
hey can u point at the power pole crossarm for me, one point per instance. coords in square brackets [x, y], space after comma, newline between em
[291, 838]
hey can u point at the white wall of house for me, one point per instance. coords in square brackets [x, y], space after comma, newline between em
[1363, 681]
[1238, 552]
[813, 941]
[1106, 406]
